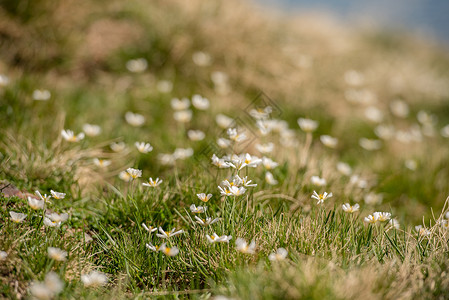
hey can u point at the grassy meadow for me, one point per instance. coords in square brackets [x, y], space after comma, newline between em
[215, 150]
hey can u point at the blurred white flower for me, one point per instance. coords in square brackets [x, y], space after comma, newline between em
[269, 178]
[214, 238]
[3, 254]
[235, 135]
[268, 163]
[411, 164]
[102, 163]
[445, 131]
[354, 78]
[183, 116]
[422, 231]
[203, 197]
[35, 203]
[118, 147]
[374, 114]
[385, 132]
[279, 255]
[197, 209]
[261, 113]
[143, 147]
[443, 223]
[94, 279]
[371, 219]
[329, 141]
[344, 168]
[223, 143]
[237, 191]
[17, 217]
[221, 82]
[182, 104]
[307, 125]
[134, 173]
[137, 65]
[373, 198]
[224, 121]
[219, 162]
[370, 145]
[242, 246]
[359, 182]
[123, 175]
[318, 181]
[168, 234]
[195, 135]
[48, 289]
[200, 102]
[399, 108]
[164, 86]
[351, 208]
[69, 136]
[57, 195]
[168, 251]
[41, 95]
[394, 223]
[426, 118]
[382, 216]
[360, 96]
[152, 183]
[201, 58]
[4, 80]
[152, 247]
[166, 159]
[265, 148]
[57, 218]
[91, 129]
[321, 197]
[57, 254]
[207, 221]
[134, 119]
[182, 153]
[150, 229]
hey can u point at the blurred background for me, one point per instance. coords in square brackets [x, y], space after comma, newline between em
[421, 17]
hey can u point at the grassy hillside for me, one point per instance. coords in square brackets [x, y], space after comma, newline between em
[381, 98]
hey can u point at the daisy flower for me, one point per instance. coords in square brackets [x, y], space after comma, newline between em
[235, 136]
[168, 234]
[166, 159]
[399, 108]
[394, 223]
[224, 191]
[269, 178]
[371, 219]
[197, 210]
[35, 203]
[17, 217]
[123, 175]
[103, 163]
[152, 183]
[237, 191]
[69, 136]
[246, 182]
[134, 119]
[118, 147]
[183, 116]
[344, 168]
[207, 221]
[268, 163]
[150, 229]
[223, 143]
[57, 254]
[137, 65]
[152, 247]
[370, 145]
[214, 238]
[329, 141]
[242, 246]
[201, 59]
[195, 135]
[200, 102]
[164, 86]
[182, 104]
[182, 153]
[318, 181]
[221, 163]
[382, 216]
[307, 125]
[224, 121]
[48, 289]
[321, 197]
[94, 279]
[265, 148]
[203, 197]
[168, 251]
[57, 195]
[351, 208]
[143, 147]
[4, 80]
[41, 95]
[91, 129]
[280, 254]
[134, 173]
[55, 220]
[422, 231]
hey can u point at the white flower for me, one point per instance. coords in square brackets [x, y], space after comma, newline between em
[344, 168]
[123, 175]
[152, 183]
[269, 178]
[399, 108]
[223, 143]
[152, 247]
[445, 131]
[425, 118]
[17, 217]
[354, 78]
[307, 125]
[394, 223]
[235, 136]
[57, 254]
[3, 255]
[207, 221]
[371, 219]
[318, 181]
[246, 182]
[350, 208]
[384, 132]
[137, 65]
[195, 135]
[261, 113]
[166, 159]
[168, 251]
[118, 147]
[237, 191]
[134, 119]
[268, 163]
[374, 114]
[443, 223]
[447, 215]
[224, 121]
[48, 289]
[359, 182]
[103, 163]
[265, 148]
[4, 80]
[35, 203]
[94, 279]
[242, 246]
[280, 254]
[203, 197]
[50, 223]
[183, 116]
[363, 96]
[91, 129]
[41, 95]
[182, 104]
[149, 229]
[221, 163]
[201, 58]
[225, 191]
[329, 141]
[200, 102]
[370, 145]
[168, 234]
[143, 147]
[57, 195]
[214, 238]
[55, 220]
[164, 86]
[181, 153]
[69, 136]
[197, 210]
[422, 231]
[382, 216]
[373, 198]
[321, 197]
[411, 164]
[134, 173]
